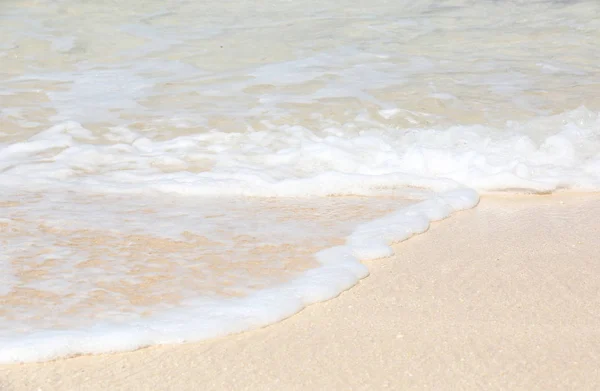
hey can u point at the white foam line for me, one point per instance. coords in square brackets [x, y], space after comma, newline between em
[197, 319]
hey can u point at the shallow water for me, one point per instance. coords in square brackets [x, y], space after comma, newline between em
[126, 126]
[116, 258]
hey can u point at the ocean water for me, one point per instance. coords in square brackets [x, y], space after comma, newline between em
[175, 171]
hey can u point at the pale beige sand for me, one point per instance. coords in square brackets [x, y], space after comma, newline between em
[504, 296]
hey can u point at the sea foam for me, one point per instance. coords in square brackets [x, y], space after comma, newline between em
[539, 155]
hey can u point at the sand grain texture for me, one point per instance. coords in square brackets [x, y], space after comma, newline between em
[504, 296]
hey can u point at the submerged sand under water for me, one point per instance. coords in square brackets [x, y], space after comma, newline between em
[147, 255]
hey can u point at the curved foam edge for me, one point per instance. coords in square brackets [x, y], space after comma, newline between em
[340, 269]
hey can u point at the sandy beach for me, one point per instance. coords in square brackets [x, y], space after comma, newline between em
[503, 296]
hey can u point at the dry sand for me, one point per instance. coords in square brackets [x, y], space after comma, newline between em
[504, 296]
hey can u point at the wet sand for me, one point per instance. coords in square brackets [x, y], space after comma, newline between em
[503, 296]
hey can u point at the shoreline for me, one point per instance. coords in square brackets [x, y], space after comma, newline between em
[504, 295]
[336, 268]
